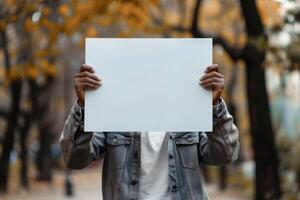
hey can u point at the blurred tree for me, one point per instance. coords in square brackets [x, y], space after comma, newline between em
[33, 35]
[266, 157]
[31, 66]
[15, 88]
[284, 54]
[253, 54]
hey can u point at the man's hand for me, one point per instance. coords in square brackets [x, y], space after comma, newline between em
[213, 80]
[85, 79]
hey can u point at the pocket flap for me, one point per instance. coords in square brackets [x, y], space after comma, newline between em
[188, 139]
[117, 140]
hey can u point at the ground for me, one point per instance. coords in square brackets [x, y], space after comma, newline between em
[87, 186]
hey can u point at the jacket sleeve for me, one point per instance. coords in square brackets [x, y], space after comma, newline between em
[221, 146]
[79, 148]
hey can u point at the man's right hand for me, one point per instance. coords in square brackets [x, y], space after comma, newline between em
[85, 79]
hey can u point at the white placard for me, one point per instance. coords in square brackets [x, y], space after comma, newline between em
[148, 85]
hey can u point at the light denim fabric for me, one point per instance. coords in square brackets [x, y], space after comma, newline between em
[187, 151]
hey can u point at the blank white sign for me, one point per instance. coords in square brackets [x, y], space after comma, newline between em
[148, 85]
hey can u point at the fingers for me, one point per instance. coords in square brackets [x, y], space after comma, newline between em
[87, 85]
[212, 79]
[87, 74]
[86, 79]
[214, 85]
[89, 80]
[85, 67]
[211, 75]
[213, 67]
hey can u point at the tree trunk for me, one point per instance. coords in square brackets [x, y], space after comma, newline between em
[253, 54]
[9, 136]
[267, 178]
[265, 153]
[232, 109]
[25, 57]
[23, 153]
[15, 89]
[24, 131]
[44, 159]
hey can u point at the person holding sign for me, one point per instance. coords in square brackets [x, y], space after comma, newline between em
[150, 165]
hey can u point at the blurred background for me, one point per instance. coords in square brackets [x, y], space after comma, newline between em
[256, 43]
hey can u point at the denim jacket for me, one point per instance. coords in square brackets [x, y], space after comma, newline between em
[187, 151]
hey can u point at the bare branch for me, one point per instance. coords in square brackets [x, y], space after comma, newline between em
[233, 52]
[194, 29]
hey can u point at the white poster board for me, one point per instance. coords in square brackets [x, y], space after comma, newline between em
[148, 85]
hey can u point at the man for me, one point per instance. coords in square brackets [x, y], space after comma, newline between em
[151, 165]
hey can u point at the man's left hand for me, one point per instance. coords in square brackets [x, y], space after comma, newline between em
[213, 80]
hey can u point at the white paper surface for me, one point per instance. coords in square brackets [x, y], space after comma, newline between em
[148, 85]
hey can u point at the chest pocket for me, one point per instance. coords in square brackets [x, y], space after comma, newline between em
[117, 149]
[188, 151]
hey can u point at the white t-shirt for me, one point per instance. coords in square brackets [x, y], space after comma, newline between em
[154, 166]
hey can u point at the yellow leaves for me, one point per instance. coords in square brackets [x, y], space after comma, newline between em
[29, 25]
[48, 24]
[64, 10]
[133, 15]
[154, 2]
[18, 72]
[13, 18]
[104, 20]
[14, 73]
[2, 72]
[91, 32]
[212, 8]
[10, 3]
[42, 68]
[83, 16]
[46, 53]
[41, 53]
[2, 25]
[125, 34]
[31, 72]
[46, 11]
[74, 17]
[84, 8]
[72, 23]
[269, 12]
[48, 69]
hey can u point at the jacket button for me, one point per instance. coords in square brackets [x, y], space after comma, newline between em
[174, 187]
[171, 156]
[115, 141]
[134, 182]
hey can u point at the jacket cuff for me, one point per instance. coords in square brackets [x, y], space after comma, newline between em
[219, 109]
[78, 112]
